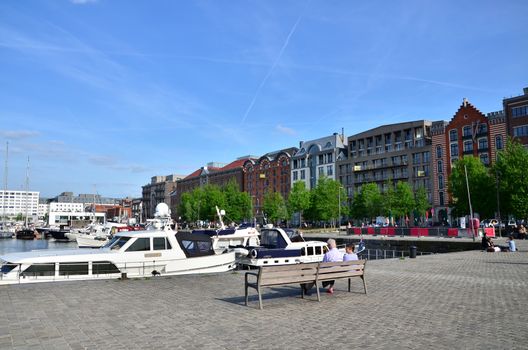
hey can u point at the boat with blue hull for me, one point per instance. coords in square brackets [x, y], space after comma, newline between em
[281, 247]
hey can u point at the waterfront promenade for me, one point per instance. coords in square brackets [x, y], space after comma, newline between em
[467, 300]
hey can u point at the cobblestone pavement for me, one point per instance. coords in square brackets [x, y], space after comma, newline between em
[470, 300]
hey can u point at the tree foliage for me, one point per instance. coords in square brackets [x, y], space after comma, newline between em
[328, 200]
[510, 169]
[299, 199]
[481, 187]
[368, 203]
[274, 207]
[403, 199]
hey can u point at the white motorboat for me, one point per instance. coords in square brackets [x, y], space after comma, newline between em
[282, 247]
[158, 251]
[96, 235]
[236, 237]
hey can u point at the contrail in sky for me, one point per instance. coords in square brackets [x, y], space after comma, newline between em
[283, 48]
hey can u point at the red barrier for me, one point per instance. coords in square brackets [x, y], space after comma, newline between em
[391, 231]
[370, 230]
[415, 232]
[452, 232]
[357, 230]
[423, 232]
[383, 231]
[490, 231]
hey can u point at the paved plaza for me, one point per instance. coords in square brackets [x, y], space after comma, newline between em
[469, 300]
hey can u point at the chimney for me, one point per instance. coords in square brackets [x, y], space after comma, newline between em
[525, 90]
[464, 102]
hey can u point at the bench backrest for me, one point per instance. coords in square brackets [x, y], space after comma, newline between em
[284, 274]
[341, 269]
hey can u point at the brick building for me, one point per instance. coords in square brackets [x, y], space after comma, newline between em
[271, 172]
[214, 173]
[468, 133]
[516, 111]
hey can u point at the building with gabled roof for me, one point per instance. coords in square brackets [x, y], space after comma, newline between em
[270, 172]
[219, 174]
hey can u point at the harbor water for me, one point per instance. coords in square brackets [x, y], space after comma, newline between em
[11, 245]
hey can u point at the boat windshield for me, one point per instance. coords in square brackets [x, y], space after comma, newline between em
[116, 243]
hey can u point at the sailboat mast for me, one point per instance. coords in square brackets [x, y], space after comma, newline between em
[5, 186]
[27, 190]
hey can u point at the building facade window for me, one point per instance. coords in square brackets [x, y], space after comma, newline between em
[454, 150]
[441, 182]
[321, 171]
[440, 166]
[498, 142]
[483, 144]
[295, 176]
[468, 146]
[466, 131]
[441, 195]
[453, 135]
[520, 131]
[426, 157]
[438, 151]
[484, 158]
[519, 111]
[329, 170]
[303, 174]
[482, 128]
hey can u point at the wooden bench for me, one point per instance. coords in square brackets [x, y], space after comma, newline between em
[312, 273]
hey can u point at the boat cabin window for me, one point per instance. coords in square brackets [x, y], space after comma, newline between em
[141, 244]
[6, 268]
[39, 270]
[161, 243]
[318, 250]
[116, 243]
[103, 267]
[272, 239]
[73, 268]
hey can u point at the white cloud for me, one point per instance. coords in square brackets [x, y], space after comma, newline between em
[285, 130]
[18, 134]
[82, 2]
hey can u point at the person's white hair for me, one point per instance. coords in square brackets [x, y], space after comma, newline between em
[331, 243]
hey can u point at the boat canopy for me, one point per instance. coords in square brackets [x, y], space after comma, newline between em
[195, 244]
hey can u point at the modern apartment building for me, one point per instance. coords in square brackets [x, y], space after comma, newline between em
[271, 172]
[156, 192]
[317, 158]
[387, 154]
[468, 133]
[13, 203]
[516, 111]
[86, 198]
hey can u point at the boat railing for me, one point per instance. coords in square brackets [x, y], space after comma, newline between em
[82, 270]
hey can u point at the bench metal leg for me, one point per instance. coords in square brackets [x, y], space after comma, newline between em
[260, 298]
[364, 283]
[247, 294]
[317, 289]
[349, 285]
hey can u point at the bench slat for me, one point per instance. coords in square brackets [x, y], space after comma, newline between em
[311, 272]
[337, 275]
[287, 280]
[293, 267]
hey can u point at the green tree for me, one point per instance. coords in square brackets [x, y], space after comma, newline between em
[213, 197]
[404, 199]
[328, 200]
[510, 169]
[238, 204]
[274, 207]
[373, 200]
[299, 200]
[481, 186]
[421, 202]
[389, 200]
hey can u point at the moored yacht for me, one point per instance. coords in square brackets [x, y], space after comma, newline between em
[282, 247]
[157, 251]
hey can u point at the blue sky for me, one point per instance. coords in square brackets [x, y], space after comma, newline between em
[105, 94]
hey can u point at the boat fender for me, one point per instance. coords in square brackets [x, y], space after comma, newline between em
[253, 253]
